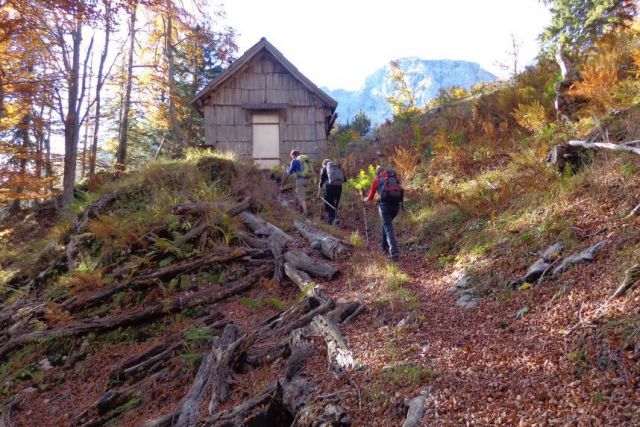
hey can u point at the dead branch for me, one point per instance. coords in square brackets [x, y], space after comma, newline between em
[111, 400]
[604, 145]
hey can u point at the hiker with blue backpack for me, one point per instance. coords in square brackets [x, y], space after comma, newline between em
[301, 167]
[391, 196]
[331, 180]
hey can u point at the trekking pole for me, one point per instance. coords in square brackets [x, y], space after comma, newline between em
[330, 205]
[364, 216]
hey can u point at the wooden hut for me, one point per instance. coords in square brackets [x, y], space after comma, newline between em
[262, 107]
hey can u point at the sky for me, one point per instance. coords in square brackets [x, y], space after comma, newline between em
[338, 43]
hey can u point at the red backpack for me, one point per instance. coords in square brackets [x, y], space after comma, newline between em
[389, 187]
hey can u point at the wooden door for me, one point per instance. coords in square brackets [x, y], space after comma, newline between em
[266, 139]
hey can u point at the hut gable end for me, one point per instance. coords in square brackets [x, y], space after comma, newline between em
[263, 107]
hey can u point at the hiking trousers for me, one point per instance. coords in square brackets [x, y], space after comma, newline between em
[332, 195]
[388, 212]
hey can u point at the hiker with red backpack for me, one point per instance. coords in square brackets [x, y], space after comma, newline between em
[391, 196]
[301, 166]
[331, 180]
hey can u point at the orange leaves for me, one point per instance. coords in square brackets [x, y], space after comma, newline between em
[599, 76]
[405, 160]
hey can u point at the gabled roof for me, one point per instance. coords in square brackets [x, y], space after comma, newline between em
[250, 54]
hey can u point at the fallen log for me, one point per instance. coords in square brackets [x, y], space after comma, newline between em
[225, 358]
[253, 241]
[238, 415]
[330, 246]
[173, 305]
[260, 227]
[301, 349]
[286, 396]
[201, 208]
[154, 356]
[189, 411]
[339, 356]
[5, 419]
[277, 250]
[148, 279]
[345, 312]
[107, 406]
[304, 262]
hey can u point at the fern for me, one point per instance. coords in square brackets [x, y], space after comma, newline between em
[532, 117]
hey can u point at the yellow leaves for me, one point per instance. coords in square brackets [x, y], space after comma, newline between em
[525, 286]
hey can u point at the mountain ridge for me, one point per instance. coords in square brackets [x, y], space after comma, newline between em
[425, 76]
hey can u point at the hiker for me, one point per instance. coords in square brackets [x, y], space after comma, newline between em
[301, 166]
[331, 180]
[390, 198]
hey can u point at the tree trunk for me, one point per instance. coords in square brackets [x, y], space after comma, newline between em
[173, 119]
[124, 123]
[71, 123]
[86, 128]
[48, 168]
[99, 84]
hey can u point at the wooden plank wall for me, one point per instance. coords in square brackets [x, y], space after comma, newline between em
[263, 80]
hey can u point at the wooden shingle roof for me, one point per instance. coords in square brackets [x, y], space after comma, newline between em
[244, 59]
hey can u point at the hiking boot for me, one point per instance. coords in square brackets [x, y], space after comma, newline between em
[306, 214]
[394, 257]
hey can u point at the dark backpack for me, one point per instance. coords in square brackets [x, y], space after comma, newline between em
[389, 187]
[334, 174]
